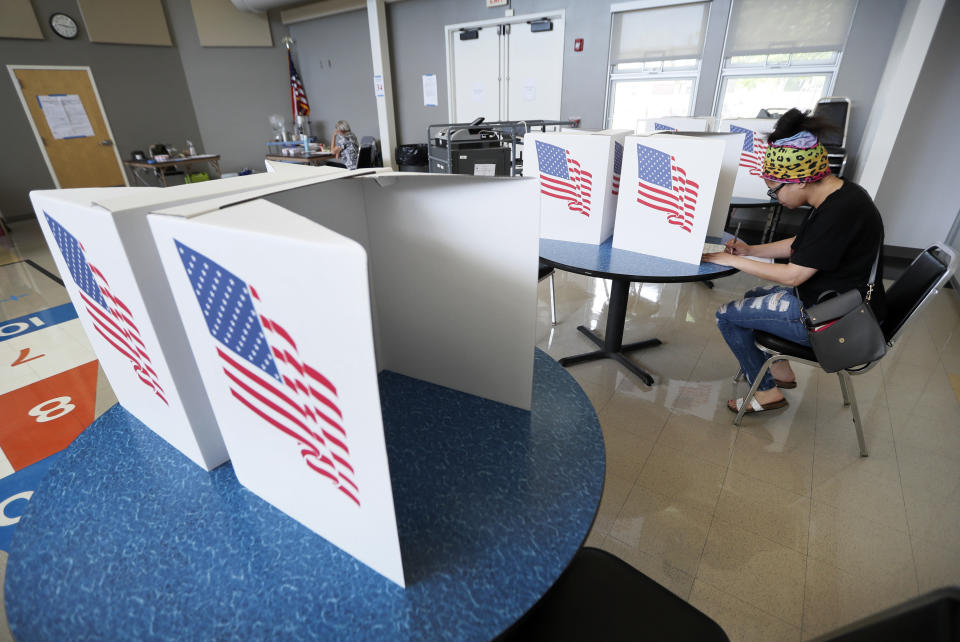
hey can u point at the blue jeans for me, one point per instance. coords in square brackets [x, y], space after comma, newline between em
[773, 309]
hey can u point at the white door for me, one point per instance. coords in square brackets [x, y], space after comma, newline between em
[476, 70]
[535, 72]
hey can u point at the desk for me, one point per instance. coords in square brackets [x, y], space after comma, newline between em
[316, 158]
[139, 168]
[623, 267]
[127, 538]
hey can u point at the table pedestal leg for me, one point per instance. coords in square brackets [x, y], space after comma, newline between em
[611, 345]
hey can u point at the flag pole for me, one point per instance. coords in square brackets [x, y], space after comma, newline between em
[287, 42]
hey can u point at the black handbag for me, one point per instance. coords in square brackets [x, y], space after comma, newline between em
[843, 331]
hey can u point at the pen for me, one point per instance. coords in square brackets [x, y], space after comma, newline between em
[736, 236]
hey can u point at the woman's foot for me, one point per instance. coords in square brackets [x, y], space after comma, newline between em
[783, 374]
[765, 398]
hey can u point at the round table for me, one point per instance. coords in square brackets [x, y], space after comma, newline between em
[622, 267]
[126, 538]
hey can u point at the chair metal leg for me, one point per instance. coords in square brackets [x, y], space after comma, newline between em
[848, 385]
[553, 302]
[843, 388]
[753, 388]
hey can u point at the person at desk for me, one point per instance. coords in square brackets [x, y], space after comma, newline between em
[834, 250]
[344, 145]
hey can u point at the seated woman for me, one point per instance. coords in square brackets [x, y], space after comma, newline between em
[344, 145]
[834, 250]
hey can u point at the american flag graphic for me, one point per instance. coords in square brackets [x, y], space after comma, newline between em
[664, 186]
[265, 373]
[660, 127]
[617, 166]
[111, 317]
[561, 177]
[298, 97]
[754, 149]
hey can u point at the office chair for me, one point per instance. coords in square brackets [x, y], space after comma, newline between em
[369, 154]
[547, 271]
[601, 597]
[905, 298]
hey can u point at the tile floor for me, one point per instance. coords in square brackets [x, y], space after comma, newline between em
[778, 529]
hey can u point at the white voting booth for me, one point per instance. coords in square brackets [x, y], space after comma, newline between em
[579, 178]
[103, 248]
[755, 131]
[678, 190]
[284, 300]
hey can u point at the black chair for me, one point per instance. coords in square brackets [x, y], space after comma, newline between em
[547, 271]
[369, 153]
[601, 597]
[932, 617]
[905, 298]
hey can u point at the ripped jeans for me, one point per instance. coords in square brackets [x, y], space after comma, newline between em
[773, 309]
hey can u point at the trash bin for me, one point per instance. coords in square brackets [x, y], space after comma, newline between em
[412, 158]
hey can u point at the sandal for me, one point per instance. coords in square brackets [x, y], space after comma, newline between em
[756, 406]
[785, 385]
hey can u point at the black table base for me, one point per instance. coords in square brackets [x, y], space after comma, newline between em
[611, 345]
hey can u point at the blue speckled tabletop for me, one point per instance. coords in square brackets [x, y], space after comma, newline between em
[127, 539]
[606, 261]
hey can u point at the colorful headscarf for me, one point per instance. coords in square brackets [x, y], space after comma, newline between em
[797, 159]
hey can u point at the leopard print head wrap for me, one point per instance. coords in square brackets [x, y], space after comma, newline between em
[797, 159]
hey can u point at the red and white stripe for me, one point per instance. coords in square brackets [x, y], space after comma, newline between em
[754, 160]
[615, 190]
[679, 203]
[312, 398]
[576, 191]
[116, 326]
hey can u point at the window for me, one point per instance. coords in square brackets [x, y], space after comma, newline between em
[781, 54]
[654, 62]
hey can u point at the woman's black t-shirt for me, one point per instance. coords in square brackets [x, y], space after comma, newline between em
[840, 239]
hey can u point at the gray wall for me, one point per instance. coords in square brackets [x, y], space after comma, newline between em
[416, 32]
[868, 46]
[337, 71]
[233, 90]
[143, 90]
[918, 196]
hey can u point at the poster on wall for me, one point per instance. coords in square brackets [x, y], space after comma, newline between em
[667, 195]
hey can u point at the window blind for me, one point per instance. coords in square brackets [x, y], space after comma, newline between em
[781, 26]
[663, 33]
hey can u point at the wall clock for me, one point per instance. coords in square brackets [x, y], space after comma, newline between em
[64, 26]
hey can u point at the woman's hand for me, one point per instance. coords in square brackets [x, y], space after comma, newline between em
[737, 248]
[720, 258]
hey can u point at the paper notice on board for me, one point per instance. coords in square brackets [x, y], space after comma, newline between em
[430, 90]
[65, 116]
[484, 169]
[529, 90]
[477, 94]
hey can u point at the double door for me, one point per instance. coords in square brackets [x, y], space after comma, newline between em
[510, 70]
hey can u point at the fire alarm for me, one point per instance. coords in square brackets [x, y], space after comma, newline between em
[578, 44]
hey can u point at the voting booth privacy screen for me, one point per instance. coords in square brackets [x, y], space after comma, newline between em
[669, 195]
[676, 124]
[248, 318]
[579, 175]
[755, 131]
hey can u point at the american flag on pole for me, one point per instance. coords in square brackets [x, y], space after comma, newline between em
[660, 127]
[664, 186]
[561, 177]
[264, 371]
[754, 149]
[111, 317]
[617, 166]
[298, 97]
